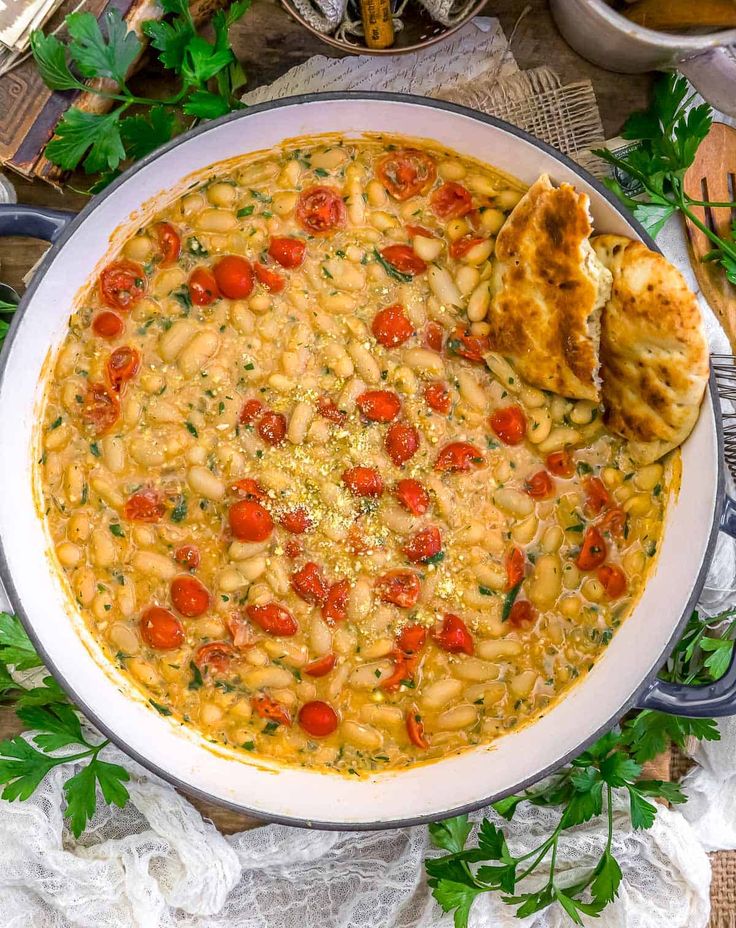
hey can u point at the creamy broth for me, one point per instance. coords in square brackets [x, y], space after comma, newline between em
[295, 496]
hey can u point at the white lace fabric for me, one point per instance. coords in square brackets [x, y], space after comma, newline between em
[159, 864]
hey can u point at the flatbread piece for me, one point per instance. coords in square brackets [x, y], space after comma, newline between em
[549, 291]
[654, 354]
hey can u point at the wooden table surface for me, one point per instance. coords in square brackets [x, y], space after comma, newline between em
[269, 42]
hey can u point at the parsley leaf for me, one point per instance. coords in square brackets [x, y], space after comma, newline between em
[92, 134]
[96, 55]
[51, 59]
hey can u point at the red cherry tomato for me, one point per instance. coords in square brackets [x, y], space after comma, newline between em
[296, 521]
[453, 635]
[100, 409]
[320, 667]
[471, 347]
[437, 396]
[251, 411]
[593, 551]
[249, 521]
[404, 259]
[434, 336]
[406, 172]
[420, 230]
[451, 200]
[411, 639]
[461, 246]
[522, 614]
[406, 656]
[309, 583]
[272, 428]
[509, 423]
[189, 596]
[613, 522]
[288, 252]
[122, 366]
[379, 405]
[108, 325]
[293, 547]
[161, 629]
[122, 285]
[560, 464]
[215, 656]
[249, 488]
[234, 276]
[320, 210]
[188, 556]
[596, 496]
[318, 718]
[144, 506]
[274, 619]
[415, 729]
[327, 409]
[335, 609]
[270, 279]
[515, 565]
[400, 587]
[539, 485]
[270, 710]
[402, 442]
[412, 496]
[613, 580]
[424, 545]
[363, 481]
[203, 288]
[458, 456]
[169, 243]
[391, 326]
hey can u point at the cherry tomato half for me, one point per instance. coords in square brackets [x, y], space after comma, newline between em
[122, 285]
[415, 729]
[509, 423]
[101, 408]
[169, 243]
[288, 252]
[404, 259]
[318, 718]
[434, 336]
[379, 405]
[189, 596]
[437, 396]
[515, 564]
[215, 656]
[424, 545]
[321, 666]
[145, 505]
[363, 481]
[400, 587]
[249, 488]
[522, 614]
[274, 619]
[406, 172]
[122, 366]
[309, 583]
[251, 411]
[335, 609]
[270, 710]
[296, 521]
[272, 428]
[327, 408]
[471, 347]
[461, 246]
[249, 521]
[458, 456]
[161, 629]
[412, 496]
[593, 551]
[402, 442]
[561, 464]
[234, 276]
[613, 580]
[108, 325]
[188, 556]
[203, 288]
[451, 200]
[597, 497]
[539, 485]
[270, 279]
[320, 210]
[453, 635]
[391, 326]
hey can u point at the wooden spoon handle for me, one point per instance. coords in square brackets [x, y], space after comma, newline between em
[378, 23]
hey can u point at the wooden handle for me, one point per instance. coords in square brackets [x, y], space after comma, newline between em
[682, 15]
[378, 23]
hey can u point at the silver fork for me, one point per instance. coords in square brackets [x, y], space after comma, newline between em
[724, 368]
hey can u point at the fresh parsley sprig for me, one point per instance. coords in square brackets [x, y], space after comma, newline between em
[668, 135]
[56, 727]
[583, 790]
[209, 75]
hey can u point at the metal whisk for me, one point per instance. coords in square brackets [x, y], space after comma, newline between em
[724, 369]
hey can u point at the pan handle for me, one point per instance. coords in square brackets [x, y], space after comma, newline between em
[711, 700]
[33, 221]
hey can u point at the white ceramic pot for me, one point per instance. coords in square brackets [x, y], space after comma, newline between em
[620, 679]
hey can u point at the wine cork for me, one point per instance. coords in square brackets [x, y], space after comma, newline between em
[378, 23]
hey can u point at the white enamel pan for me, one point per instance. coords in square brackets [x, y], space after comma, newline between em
[624, 677]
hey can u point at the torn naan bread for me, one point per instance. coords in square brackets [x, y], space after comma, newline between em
[654, 354]
[549, 290]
